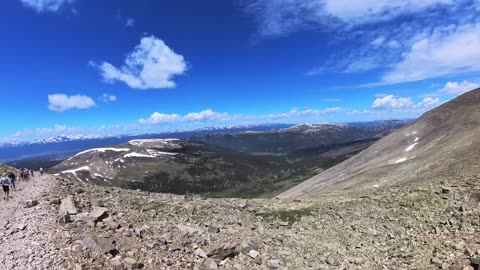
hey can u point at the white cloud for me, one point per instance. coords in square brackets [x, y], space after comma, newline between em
[130, 22]
[390, 102]
[160, 118]
[108, 98]
[206, 115]
[151, 65]
[62, 102]
[295, 113]
[428, 103]
[46, 5]
[457, 88]
[203, 116]
[439, 54]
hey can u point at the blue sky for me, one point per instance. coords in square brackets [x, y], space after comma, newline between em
[114, 67]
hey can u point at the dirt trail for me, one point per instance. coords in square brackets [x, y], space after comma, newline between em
[24, 238]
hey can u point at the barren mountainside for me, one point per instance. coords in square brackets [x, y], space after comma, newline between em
[443, 143]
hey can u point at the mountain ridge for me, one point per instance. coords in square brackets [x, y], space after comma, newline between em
[441, 143]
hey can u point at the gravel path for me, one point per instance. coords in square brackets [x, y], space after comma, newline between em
[24, 238]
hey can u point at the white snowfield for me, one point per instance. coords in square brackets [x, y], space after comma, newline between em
[134, 154]
[400, 160]
[151, 154]
[103, 150]
[74, 171]
[170, 143]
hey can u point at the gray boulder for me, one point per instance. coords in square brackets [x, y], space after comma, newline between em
[68, 206]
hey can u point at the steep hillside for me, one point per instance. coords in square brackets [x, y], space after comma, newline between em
[290, 139]
[444, 143]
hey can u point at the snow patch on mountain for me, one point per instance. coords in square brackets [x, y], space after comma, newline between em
[410, 148]
[74, 171]
[103, 150]
[167, 143]
[151, 154]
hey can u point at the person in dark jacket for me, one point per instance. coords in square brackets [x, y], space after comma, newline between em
[13, 178]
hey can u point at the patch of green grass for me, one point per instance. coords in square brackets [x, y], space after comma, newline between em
[419, 200]
[136, 205]
[289, 216]
[155, 206]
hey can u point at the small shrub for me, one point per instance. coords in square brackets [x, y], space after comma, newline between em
[290, 216]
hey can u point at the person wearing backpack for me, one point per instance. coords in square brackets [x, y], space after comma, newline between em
[5, 182]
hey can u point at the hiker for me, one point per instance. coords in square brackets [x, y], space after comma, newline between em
[5, 182]
[41, 170]
[13, 178]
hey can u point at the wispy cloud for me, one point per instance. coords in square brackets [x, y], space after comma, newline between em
[151, 65]
[280, 17]
[46, 5]
[295, 113]
[332, 99]
[203, 116]
[207, 115]
[108, 98]
[451, 51]
[394, 103]
[160, 118]
[440, 38]
[385, 107]
[63, 102]
[130, 22]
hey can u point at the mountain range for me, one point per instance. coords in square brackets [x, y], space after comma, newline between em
[70, 144]
[244, 164]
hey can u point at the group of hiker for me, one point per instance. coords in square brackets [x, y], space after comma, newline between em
[25, 174]
[8, 179]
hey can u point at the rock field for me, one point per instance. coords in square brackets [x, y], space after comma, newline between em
[53, 223]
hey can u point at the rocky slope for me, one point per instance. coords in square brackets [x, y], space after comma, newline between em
[442, 144]
[73, 225]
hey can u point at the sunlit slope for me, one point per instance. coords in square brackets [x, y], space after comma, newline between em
[443, 144]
